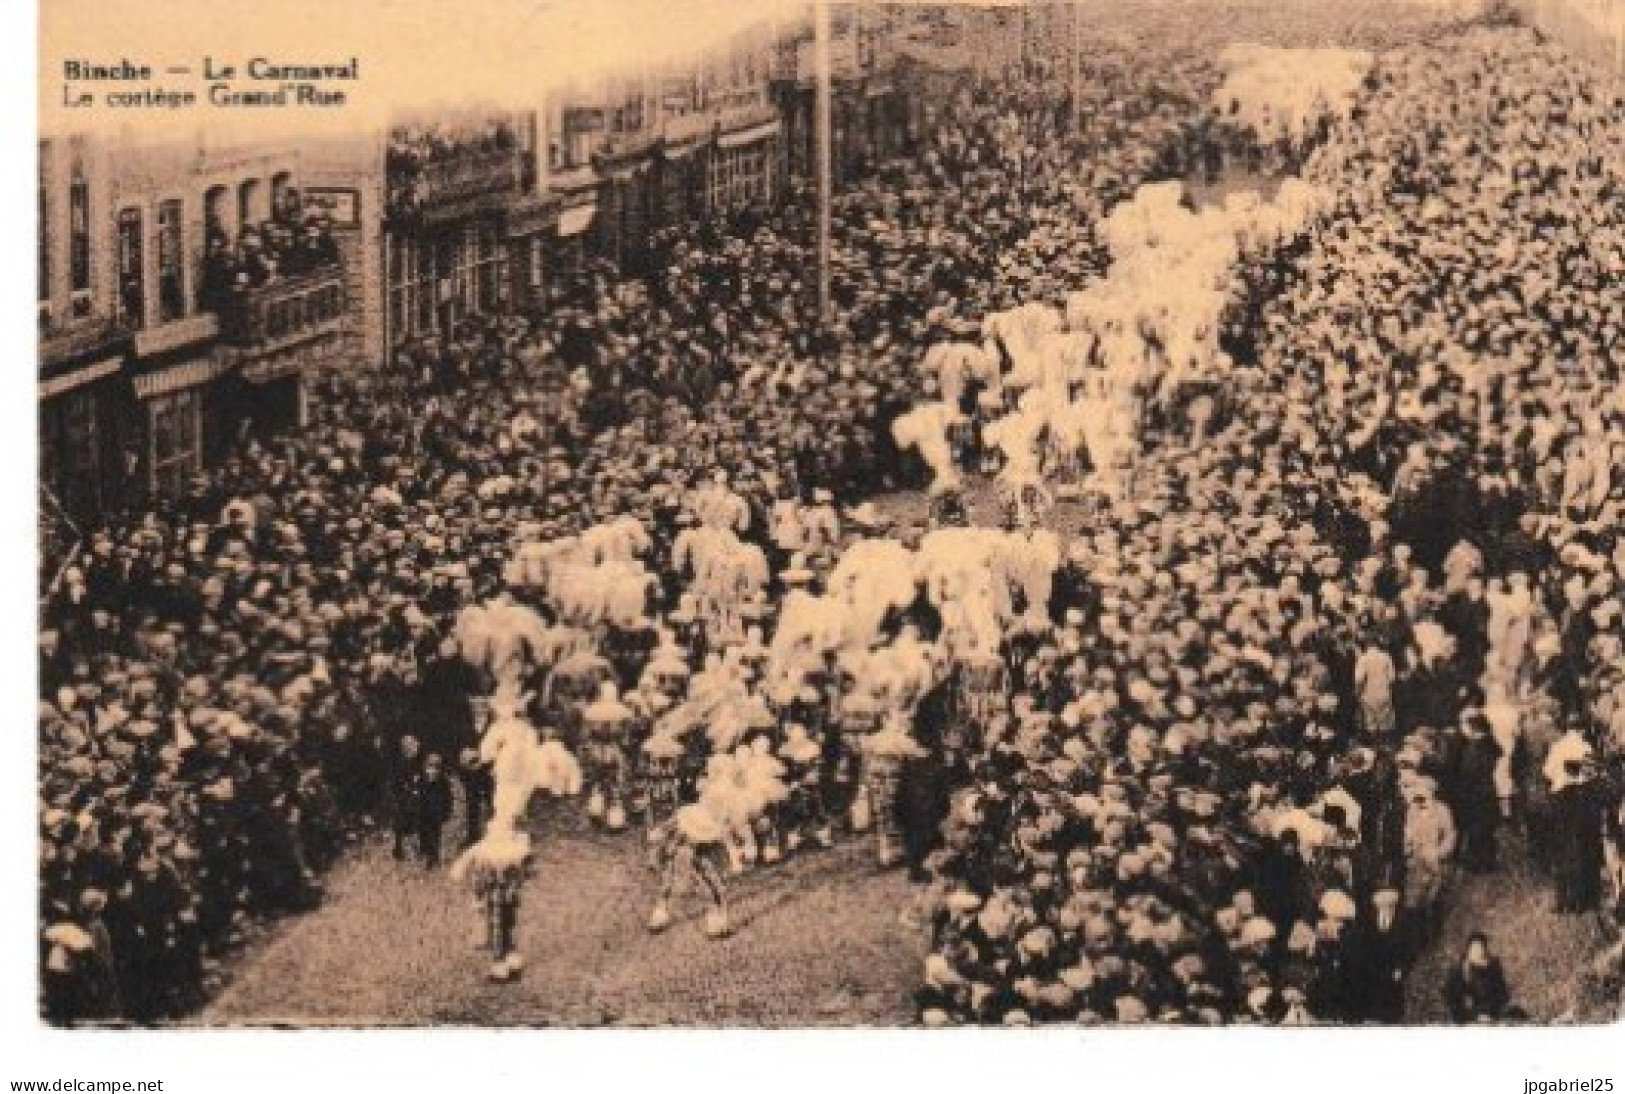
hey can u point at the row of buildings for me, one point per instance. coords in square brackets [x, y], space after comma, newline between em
[188, 292]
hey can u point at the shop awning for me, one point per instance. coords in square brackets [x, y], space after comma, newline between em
[687, 146]
[575, 221]
[56, 385]
[749, 136]
[178, 377]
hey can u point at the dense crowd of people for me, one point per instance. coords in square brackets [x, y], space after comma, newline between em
[225, 676]
[1221, 774]
[1361, 630]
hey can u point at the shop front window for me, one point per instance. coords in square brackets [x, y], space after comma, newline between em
[71, 449]
[176, 441]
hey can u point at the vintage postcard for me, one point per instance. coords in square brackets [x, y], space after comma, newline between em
[831, 513]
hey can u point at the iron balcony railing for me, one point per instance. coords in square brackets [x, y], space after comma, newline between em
[284, 312]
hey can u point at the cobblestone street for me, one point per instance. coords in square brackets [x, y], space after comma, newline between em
[817, 941]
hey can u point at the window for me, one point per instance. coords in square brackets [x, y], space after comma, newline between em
[403, 288]
[718, 180]
[132, 293]
[455, 262]
[248, 205]
[281, 193]
[171, 263]
[579, 150]
[214, 214]
[428, 292]
[44, 222]
[480, 290]
[79, 234]
[491, 270]
[176, 441]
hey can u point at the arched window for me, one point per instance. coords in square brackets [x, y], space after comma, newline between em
[284, 198]
[219, 219]
[250, 204]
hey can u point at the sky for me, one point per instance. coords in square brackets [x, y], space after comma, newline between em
[413, 53]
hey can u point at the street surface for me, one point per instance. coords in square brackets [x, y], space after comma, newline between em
[818, 940]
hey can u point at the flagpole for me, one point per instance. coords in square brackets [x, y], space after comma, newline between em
[823, 121]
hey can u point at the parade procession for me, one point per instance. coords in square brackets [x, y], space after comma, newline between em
[1097, 513]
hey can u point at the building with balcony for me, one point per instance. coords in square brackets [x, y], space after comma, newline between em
[627, 157]
[574, 190]
[466, 219]
[630, 155]
[746, 163]
[206, 234]
[186, 291]
[344, 178]
[720, 131]
[85, 399]
[869, 109]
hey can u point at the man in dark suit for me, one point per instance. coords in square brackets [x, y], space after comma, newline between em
[924, 791]
[1477, 806]
[443, 719]
[406, 792]
[1381, 948]
[434, 809]
[1284, 887]
[1576, 840]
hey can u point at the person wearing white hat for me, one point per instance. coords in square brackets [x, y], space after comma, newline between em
[1380, 951]
[1374, 677]
[1574, 831]
[1430, 844]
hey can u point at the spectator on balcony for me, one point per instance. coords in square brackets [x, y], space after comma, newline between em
[255, 266]
[219, 273]
[414, 149]
[290, 209]
[312, 249]
[314, 238]
[293, 244]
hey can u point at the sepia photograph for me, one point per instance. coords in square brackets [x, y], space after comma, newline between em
[829, 513]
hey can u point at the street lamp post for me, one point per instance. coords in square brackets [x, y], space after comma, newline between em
[1077, 66]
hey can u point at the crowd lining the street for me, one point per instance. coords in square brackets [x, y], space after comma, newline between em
[1357, 628]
